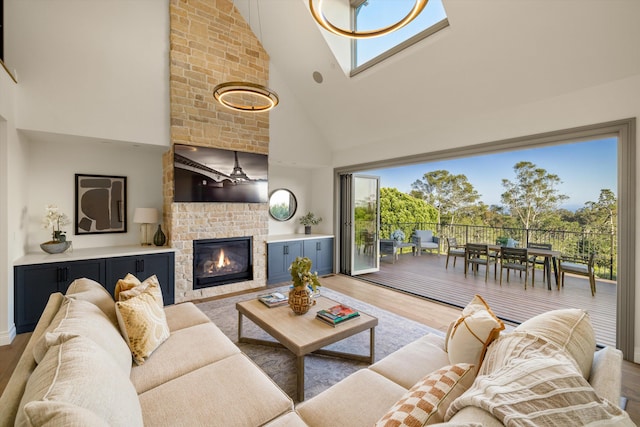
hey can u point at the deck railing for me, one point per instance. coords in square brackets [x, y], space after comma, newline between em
[572, 245]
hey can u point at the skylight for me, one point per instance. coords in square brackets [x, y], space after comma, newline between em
[372, 14]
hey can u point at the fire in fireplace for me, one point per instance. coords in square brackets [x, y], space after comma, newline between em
[221, 261]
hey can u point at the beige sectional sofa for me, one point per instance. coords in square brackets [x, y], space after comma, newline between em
[79, 371]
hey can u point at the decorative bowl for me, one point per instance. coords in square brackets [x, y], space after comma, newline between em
[55, 248]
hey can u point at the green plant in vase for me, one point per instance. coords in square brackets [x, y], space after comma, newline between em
[308, 220]
[305, 284]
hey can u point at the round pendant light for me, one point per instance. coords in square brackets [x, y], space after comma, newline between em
[324, 22]
[245, 96]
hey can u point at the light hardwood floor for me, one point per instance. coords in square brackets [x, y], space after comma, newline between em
[433, 314]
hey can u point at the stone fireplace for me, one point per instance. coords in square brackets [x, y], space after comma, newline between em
[211, 43]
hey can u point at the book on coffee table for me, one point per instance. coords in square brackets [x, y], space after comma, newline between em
[337, 314]
[274, 299]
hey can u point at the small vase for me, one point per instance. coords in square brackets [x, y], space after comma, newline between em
[300, 300]
[55, 247]
[159, 239]
[307, 229]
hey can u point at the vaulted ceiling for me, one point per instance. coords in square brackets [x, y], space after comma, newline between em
[496, 54]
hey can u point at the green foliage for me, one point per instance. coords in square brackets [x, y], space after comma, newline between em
[404, 211]
[446, 192]
[310, 219]
[532, 194]
[301, 275]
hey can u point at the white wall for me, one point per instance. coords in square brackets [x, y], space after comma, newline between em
[51, 180]
[91, 68]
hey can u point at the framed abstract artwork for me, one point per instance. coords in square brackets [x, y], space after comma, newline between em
[101, 204]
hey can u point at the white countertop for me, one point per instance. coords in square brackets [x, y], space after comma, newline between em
[90, 253]
[289, 237]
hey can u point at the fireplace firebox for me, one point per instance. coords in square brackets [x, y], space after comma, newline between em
[221, 261]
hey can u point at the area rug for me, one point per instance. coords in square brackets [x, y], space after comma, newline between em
[321, 372]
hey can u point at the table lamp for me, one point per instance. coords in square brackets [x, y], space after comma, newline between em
[145, 217]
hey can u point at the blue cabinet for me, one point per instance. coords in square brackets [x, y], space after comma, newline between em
[281, 254]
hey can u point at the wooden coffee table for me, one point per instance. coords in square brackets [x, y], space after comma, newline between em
[304, 334]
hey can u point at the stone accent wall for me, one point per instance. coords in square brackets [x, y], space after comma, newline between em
[210, 43]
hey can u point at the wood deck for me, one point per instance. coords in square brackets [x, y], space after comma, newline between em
[426, 276]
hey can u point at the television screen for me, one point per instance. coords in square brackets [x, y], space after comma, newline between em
[205, 174]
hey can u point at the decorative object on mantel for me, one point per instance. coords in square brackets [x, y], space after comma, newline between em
[159, 239]
[322, 20]
[145, 217]
[305, 284]
[246, 96]
[55, 220]
[308, 220]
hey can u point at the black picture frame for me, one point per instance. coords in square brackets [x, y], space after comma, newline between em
[100, 204]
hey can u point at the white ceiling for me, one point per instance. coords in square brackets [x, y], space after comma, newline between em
[495, 55]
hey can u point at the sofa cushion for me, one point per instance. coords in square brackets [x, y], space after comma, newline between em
[412, 362]
[50, 413]
[570, 329]
[92, 291]
[343, 404]
[427, 401]
[143, 324]
[185, 351]
[230, 392]
[80, 373]
[184, 315]
[82, 318]
[472, 333]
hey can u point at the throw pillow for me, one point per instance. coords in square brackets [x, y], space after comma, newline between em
[568, 328]
[427, 401]
[472, 333]
[129, 282]
[150, 285]
[143, 324]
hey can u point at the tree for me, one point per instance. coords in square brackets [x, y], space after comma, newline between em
[532, 194]
[446, 192]
[398, 208]
[602, 215]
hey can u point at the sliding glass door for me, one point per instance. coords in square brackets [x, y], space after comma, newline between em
[360, 222]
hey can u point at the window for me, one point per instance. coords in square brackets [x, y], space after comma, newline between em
[373, 14]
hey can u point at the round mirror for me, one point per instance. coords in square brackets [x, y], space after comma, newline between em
[282, 204]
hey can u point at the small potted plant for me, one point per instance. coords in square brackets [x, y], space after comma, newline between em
[398, 235]
[305, 284]
[308, 220]
[55, 220]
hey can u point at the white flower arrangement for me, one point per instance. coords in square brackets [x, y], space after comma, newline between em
[55, 220]
[398, 235]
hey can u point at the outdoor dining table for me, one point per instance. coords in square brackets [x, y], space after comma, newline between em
[550, 258]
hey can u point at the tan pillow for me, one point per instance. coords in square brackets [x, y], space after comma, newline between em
[150, 285]
[82, 318]
[568, 328]
[129, 282]
[143, 324]
[92, 291]
[81, 373]
[427, 401]
[472, 333]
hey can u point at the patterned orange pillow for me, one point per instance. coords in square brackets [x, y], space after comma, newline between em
[427, 401]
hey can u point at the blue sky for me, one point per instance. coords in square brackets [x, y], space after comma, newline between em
[584, 168]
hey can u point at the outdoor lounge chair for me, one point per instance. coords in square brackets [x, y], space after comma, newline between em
[424, 239]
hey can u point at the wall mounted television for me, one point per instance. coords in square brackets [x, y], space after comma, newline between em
[206, 174]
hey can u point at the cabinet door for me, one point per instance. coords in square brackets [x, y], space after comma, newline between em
[33, 285]
[143, 266]
[320, 252]
[280, 255]
[91, 269]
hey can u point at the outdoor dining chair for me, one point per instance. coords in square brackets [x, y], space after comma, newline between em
[476, 255]
[515, 259]
[454, 250]
[539, 260]
[580, 269]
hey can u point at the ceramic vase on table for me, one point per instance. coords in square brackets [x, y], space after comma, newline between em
[55, 247]
[300, 299]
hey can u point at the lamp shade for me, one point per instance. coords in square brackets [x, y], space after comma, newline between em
[145, 216]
